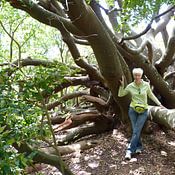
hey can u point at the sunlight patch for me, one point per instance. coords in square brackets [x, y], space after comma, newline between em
[93, 164]
[119, 136]
[84, 173]
[138, 171]
[171, 143]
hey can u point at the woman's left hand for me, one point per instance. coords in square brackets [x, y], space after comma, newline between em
[162, 106]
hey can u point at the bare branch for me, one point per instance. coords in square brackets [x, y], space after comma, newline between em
[25, 62]
[145, 43]
[114, 10]
[74, 81]
[92, 99]
[65, 98]
[170, 74]
[105, 10]
[33, 62]
[13, 39]
[150, 52]
[148, 26]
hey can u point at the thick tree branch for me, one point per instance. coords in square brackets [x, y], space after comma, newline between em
[165, 36]
[65, 98]
[150, 52]
[145, 43]
[112, 36]
[96, 100]
[42, 157]
[167, 58]
[99, 103]
[74, 81]
[46, 17]
[33, 62]
[108, 57]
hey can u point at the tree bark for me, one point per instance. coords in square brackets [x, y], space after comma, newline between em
[67, 149]
[42, 157]
[164, 117]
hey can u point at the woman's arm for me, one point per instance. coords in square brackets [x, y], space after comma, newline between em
[122, 91]
[153, 97]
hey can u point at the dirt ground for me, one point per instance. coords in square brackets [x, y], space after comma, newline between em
[107, 158]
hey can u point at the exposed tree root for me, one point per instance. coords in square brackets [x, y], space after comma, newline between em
[76, 120]
[67, 149]
[102, 125]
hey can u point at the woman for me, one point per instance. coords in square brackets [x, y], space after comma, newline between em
[138, 109]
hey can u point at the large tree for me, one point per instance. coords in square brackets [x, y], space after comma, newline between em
[117, 50]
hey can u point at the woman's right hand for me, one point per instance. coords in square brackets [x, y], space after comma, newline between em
[122, 81]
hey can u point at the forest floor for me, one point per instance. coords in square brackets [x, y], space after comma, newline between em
[107, 158]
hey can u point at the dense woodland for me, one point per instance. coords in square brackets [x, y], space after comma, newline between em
[61, 64]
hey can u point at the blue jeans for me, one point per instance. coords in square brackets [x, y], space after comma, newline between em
[137, 123]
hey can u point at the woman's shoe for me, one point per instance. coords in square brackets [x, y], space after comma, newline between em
[128, 155]
[138, 151]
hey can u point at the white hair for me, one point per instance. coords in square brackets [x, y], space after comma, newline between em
[137, 71]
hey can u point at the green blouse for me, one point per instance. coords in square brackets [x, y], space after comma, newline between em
[139, 93]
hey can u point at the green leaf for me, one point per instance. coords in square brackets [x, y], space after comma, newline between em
[2, 129]
[11, 141]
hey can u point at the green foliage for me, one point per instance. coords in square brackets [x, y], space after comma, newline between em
[110, 2]
[136, 10]
[22, 92]
[18, 123]
[21, 112]
[88, 1]
[34, 38]
[42, 80]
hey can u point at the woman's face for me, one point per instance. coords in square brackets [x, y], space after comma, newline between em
[137, 77]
